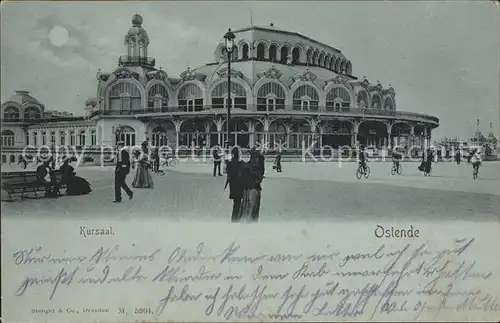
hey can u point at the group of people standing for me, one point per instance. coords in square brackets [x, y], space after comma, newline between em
[245, 184]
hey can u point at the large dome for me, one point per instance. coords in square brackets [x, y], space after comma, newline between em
[23, 97]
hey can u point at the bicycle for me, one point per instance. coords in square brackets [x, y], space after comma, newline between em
[363, 170]
[396, 168]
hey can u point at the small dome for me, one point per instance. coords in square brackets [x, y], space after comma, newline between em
[137, 20]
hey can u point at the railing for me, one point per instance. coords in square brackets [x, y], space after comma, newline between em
[288, 110]
[135, 60]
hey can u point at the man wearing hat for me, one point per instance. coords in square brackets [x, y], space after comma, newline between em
[121, 171]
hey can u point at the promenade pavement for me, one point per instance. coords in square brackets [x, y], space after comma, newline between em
[325, 191]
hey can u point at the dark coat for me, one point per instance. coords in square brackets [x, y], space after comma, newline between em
[234, 170]
[124, 164]
[252, 175]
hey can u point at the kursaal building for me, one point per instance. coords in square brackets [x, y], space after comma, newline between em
[287, 91]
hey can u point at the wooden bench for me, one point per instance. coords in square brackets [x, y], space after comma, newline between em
[24, 182]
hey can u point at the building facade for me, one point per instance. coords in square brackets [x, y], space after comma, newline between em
[287, 91]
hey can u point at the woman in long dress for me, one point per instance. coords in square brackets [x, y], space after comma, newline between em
[75, 185]
[143, 178]
[252, 175]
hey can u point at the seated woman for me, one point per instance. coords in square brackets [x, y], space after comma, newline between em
[75, 185]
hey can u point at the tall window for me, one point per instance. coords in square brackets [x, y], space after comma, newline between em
[190, 98]
[125, 97]
[53, 137]
[389, 105]
[44, 138]
[238, 96]
[296, 55]
[376, 102]
[270, 97]
[305, 98]
[261, 51]
[159, 137]
[158, 98]
[72, 138]
[27, 138]
[11, 113]
[244, 51]
[62, 138]
[272, 53]
[81, 137]
[125, 134]
[338, 99]
[32, 113]
[7, 138]
[285, 51]
[93, 138]
[35, 136]
[362, 100]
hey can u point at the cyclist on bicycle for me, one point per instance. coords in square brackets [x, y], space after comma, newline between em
[396, 158]
[476, 160]
[362, 158]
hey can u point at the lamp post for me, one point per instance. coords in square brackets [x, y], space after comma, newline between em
[229, 40]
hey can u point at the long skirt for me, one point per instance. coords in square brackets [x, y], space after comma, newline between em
[250, 206]
[143, 178]
[78, 186]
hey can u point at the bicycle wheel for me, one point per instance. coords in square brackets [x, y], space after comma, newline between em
[359, 173]
[367, 172]
[400, 169]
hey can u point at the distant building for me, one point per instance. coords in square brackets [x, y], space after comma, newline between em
[287, 89]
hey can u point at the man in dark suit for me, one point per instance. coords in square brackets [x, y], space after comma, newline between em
[121, 171]
[217, 161]
[234, 180]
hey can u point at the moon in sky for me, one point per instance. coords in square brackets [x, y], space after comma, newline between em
[58, 36]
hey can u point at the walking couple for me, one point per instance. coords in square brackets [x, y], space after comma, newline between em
[244, 180]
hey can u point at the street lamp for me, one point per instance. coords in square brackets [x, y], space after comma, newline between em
[229, 40]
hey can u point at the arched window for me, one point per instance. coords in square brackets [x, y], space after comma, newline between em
[125, 97]
[338, 99]
[11, 113]
[192, 133]
[7, 138]
[32, 113]
[305, 98]
[309, 56]
[332, 64]
[273, 50]
[342, 67]
[362, 100]
[321, 59]
[296, 55]
[125, 134]
[326, 64]
[244, 51]
[376, 102]
[389, 104]
[190, 98]
[159, 137]
[315, 58]
[270, 97]
[238, 96]
[348, 68]
[337, 67]
[284, 54]
[158, 98]
[261, 51]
